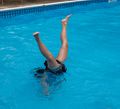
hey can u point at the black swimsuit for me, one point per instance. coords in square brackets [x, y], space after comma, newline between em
[58, 70]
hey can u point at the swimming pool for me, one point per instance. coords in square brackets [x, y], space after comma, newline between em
[92, 79]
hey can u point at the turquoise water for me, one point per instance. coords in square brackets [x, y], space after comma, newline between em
[93, 76]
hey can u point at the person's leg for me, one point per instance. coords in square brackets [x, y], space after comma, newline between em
[64, 48]
[50, 59]
[44, 84]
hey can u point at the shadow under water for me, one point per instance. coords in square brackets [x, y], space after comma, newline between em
[48, 81]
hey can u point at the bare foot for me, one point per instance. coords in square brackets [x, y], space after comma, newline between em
[36, 34]
[65, 20]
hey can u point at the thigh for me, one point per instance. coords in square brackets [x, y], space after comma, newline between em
[52, 63]
[62, 54]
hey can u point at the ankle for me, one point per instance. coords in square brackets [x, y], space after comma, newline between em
[64, 26]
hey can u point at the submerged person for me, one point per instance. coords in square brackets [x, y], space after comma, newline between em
[52, 64]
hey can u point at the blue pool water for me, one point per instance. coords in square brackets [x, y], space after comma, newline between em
[93, 76]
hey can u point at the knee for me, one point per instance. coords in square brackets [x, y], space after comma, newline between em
[65, 45]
